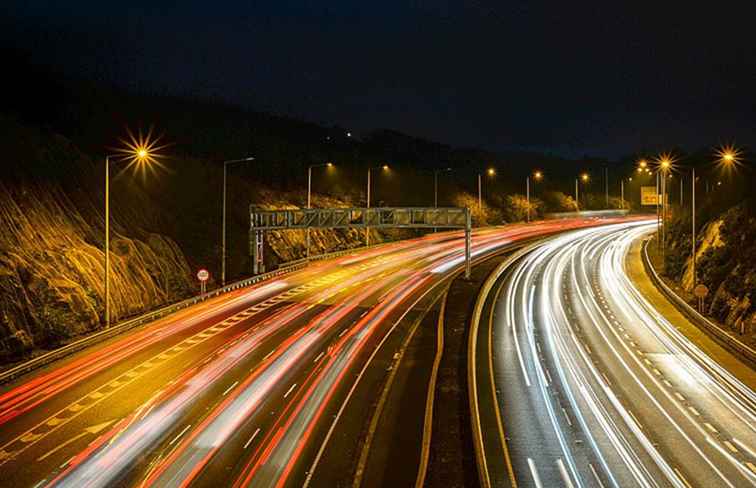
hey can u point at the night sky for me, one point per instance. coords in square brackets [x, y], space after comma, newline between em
[604, 79]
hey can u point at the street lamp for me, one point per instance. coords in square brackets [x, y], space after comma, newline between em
[383, 167]
[665, 163]
[309, 194]
[490, 172]
[537, 176]
[223, 244]
[584, 178]
[139, 152]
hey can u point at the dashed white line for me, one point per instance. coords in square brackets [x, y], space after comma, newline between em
[246, 444]
[290, 390]
[230, 387]
[565, 475]
[534, 473]
[183, 431]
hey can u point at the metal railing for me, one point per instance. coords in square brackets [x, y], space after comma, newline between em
[716, 332]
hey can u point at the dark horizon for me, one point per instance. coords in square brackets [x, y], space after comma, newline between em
[570, 81]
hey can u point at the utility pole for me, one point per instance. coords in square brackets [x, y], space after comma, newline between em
[606, 184]
[480, 194]
[693, 220]
[577, 204]
[527, 194]
[367, 229]
[622, 193]
[658, 215]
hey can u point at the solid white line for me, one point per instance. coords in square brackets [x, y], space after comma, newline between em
[534, 472]
[246, 445]
[744, 447]
[179, 434]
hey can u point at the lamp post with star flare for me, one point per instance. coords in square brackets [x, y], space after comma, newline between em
[140, 152]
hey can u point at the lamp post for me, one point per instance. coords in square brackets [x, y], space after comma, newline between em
[584, 178]
[223, 239]
[309, 195]
[606, 185]
[489, 172]
[139, 154]
[665, 165]
[537, 177]
[383, 167]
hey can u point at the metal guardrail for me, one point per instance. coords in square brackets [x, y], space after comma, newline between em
[714, 331]
[97, 337]
[68, 349]
[586, 214]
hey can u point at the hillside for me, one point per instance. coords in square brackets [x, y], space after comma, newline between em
[726, 253]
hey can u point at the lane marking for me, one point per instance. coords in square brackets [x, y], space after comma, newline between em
[183, 431]
[534, 473]
[246, 445]
[565, 475]
[431, 396]
[288, 392]
[595, 475]
[230, 388]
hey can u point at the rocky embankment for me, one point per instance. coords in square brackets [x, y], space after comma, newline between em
[52, 266]
[52, 241]
[726, 264]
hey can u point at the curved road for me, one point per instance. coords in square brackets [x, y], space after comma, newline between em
[242, 390]
[593, 387]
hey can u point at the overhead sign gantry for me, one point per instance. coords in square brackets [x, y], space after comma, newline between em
[342, 218]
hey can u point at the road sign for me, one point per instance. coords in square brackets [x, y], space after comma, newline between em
[203, 275]
[701, 290]
[649, 195]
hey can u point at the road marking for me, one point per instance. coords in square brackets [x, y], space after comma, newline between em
[680, 475]
[290, 390]
[86, 402]
[431, 396]
[694, 411]
[711, 427]
[230, 388]
[318, 357]
[635, 419]
[595, 475]
[534, 473]
[567, 416]
[89, 430]
[565, 475]
[179, 435]
[679, 396]
[246, 444]
[730, 446]
[744, 447]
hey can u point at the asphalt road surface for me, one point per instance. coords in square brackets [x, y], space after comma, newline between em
[594, 387]
[247, 389]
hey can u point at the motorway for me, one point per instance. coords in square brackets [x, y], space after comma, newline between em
[246, 389]
[583, 383]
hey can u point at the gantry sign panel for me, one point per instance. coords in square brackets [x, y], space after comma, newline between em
[341, 218]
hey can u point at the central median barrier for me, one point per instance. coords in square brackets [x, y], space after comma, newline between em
[481, 385]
